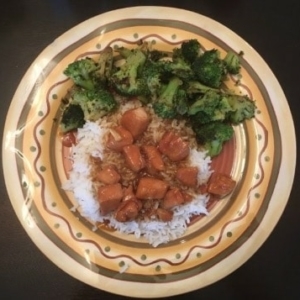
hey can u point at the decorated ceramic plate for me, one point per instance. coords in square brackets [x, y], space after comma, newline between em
[259, 158]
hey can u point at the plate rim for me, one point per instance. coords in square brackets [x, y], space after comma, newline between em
[259, 235]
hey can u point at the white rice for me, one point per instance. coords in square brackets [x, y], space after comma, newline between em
[90, 139]
[200, 159]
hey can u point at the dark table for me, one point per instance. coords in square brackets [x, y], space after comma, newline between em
[271, 27]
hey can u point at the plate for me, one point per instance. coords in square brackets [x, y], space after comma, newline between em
[262, 163]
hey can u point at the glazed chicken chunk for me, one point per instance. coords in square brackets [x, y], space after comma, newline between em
[173, 146]
[118, 137]
[151, 188]
[136, 121]
[109, 197]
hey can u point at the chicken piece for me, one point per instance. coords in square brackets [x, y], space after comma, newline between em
[133, 157]
[118, 137]
[154, 159]
[188, 176]
[128, 210]
[136, 121]
[151, 188]
[187, 197]
[109, 197]
[221, 185]
[173, 198]
[164, 215]
[173, 146]
[128, 193]
[108, 175]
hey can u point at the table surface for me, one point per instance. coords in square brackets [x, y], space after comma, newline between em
[270, 27]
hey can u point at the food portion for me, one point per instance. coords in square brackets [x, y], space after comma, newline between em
[143, 126]
[189, 83]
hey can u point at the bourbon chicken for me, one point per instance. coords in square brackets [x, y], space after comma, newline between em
[154, 161]
[173, 146]
[133, 157]
[150, 194]
[108, 175]
[188, 175]
[136, 121]
[118, 138]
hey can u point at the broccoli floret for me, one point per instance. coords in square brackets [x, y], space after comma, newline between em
[156, 55]
[209, 69]
[151, 75]
[213, 135]
[165, 106]
[72, 118]
[232, 63]
[123, 51]
[196, 88]
[177, 66]
[126, 79]
[82, 72]
[181, 101]
[95, 104]
[212, 106]
[190, 50]
[242, 108]
[105, 66]
[153, 55]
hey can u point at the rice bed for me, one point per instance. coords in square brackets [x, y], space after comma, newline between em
[90, 143]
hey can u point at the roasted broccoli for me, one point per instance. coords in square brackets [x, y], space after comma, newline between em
[123, 51]
[243, 108]
[213, 135]
[178, 66]
[218, 106]
[194, 88]
[126, 79]
[82, 72]
[95, 104]
[72, 118]
[190, 50]
[232, 63]
[181, 102]
[165, 105]
[213, 114]
[212, 106]
[156, 55]
[187, 83]
[105, 67]
[209, 68]
[151, 75]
